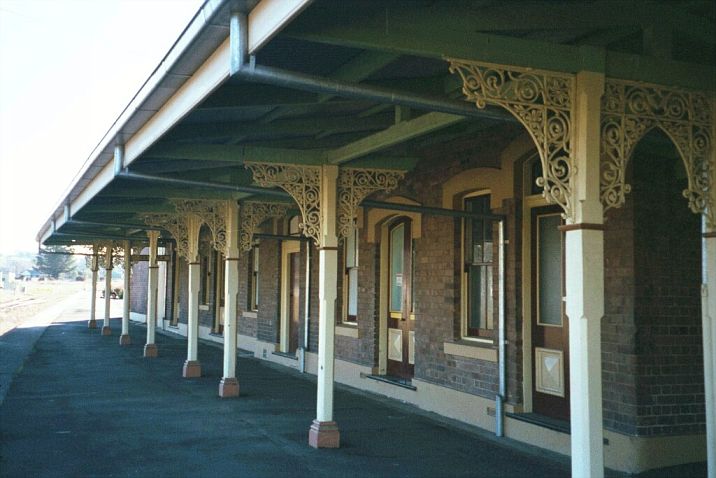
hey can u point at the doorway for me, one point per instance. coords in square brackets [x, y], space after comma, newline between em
[220, 269]
[401, 320]
[549, 323]
[290, 296]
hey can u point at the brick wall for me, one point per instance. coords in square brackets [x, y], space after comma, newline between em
[267, 323]
[138, 287]
[652, 352]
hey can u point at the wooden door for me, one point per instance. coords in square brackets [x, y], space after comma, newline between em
[294, 264]
[401, 335]
[550, 326]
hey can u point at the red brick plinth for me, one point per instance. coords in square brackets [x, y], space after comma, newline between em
[125, 339]
[228, 387]
[192, 369]
[106, 330]
[324, 435]
[150, 350]
[92, 324]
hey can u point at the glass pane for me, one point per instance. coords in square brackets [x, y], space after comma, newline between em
[397, 245]
[351, 250]
[353, 292]
[549, 263]
[480, 299]
[475, 298]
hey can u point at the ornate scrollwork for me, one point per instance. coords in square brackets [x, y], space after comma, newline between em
[253, 214]
[356, 184]
[542, 102]
[211, 213]
[629, 111]
[303, 183]
[184, 228]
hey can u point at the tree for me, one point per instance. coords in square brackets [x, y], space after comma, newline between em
[55, 260]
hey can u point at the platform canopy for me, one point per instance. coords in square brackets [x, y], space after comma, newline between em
[360, 84]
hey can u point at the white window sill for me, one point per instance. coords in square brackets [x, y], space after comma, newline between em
[476, 350]
[203, 307]
[347, 330]
[250, 315]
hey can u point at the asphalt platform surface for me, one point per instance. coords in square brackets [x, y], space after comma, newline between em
[81, 405]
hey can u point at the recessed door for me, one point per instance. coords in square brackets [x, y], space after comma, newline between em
[290, 296]
[294, 300]
[550, 327]
[401, 334]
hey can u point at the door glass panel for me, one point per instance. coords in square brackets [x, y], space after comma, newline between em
[397, 245]
[549, 263]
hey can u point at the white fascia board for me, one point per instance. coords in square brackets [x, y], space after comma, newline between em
[101, 179]
[197, 25]
[269, 17]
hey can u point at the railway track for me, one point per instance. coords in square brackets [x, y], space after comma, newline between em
[13, 304]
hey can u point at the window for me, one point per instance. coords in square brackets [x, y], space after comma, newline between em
[477, 270]
[253, 282]
[350, 278]
[401, 298]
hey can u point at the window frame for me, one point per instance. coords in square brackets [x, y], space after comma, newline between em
[487, 334]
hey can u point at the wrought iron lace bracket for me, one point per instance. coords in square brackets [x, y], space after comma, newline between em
[253, 214]
[180, 226]
[302, 183]
[354, 185]
[211, 213]
[543, 102]
[629, 111]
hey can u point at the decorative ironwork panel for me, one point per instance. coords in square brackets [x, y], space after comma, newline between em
[303, 183]
[253, 214]
[629, 111]
[182, 227]
[542, 102]
[211, 213]
[356, 184]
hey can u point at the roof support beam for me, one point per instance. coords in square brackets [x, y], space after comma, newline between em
[399, 133]
[394, 34]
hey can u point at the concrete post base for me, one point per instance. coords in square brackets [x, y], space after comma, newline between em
[125, 339]
[150, 350]
[228, 387]
[92, 324]
[192, 369]
[324, 435]
[106, 330]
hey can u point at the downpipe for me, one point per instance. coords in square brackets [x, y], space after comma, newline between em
[246, 68]
[500, 398]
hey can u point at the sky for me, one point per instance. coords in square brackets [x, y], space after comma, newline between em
[67, 70]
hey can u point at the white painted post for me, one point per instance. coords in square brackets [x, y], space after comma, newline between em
[150, 348]
[584, 244]
[708, 316]
[92, 323]
[324, 432]
[192, 366]
[107, 330]
[229, 385]
[125, 339]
